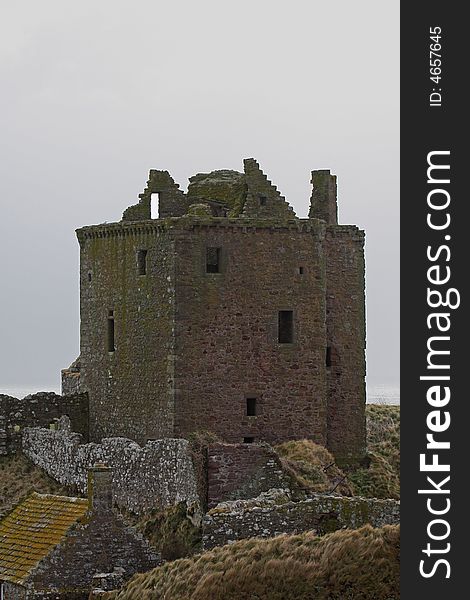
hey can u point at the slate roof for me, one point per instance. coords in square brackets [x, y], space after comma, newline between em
[32, 529]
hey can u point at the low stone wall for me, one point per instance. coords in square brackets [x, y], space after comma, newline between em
[159, 474]
[241, 471]
[39, 410]
[274, 513]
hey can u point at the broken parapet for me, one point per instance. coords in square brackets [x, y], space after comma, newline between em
[227, 193]
[172, 202]
[43, 409]
[263, 198]
[70, 378]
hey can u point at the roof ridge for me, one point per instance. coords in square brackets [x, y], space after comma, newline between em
[67, 498]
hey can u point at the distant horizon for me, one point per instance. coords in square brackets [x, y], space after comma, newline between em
[377, 391]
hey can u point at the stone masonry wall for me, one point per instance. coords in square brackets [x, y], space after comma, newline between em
[159, 474]
[94, 546]
[43, 409]
[226, 341]
[273, 514]
[345, 319]
[240, 471]
[130, 388]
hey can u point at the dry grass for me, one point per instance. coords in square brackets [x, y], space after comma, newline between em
[312, 467]
[382, 478]
[19, 477]
[347, 565]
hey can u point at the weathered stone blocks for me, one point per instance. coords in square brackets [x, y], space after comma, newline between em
[273, 513]
[159, 474]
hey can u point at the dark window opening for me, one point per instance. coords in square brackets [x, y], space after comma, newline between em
[251, 407]
[89, 275]
[142, 262]
[263, 200]
[286, 327]
[301, 271]
[248, 440]
[111, 345]
[328, 356]
[212, 260]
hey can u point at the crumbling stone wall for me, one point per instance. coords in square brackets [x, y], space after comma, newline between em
[159, 474]
[43, 409]
[263, 198]
[274, 513]
[240, 471]
[70, 378]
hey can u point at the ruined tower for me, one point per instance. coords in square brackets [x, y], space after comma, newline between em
[226, 313]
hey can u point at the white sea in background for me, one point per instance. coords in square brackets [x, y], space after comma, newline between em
[383, 394]
[21, 392]
[376, 394]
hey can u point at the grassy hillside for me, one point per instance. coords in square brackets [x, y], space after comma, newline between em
[382, 478]
[19, 477]
[346, 565]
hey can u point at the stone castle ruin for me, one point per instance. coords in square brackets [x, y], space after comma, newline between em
[218, 311]
[226, 313]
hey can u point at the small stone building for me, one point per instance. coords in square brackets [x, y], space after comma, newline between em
[224, 311]
[58, 547]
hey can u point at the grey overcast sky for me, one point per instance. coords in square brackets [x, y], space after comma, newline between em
[95, 93]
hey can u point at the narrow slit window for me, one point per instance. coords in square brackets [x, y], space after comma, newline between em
[111, 344]
[142, 262]
[89, 276]
[328, 356]
[263, 200]
[154, 205]
[212, 260]
[248, 440]
[286, 327]
[301, 271]
[251, 407]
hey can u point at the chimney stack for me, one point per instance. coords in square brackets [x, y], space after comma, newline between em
[100, 488]
[323, 202]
